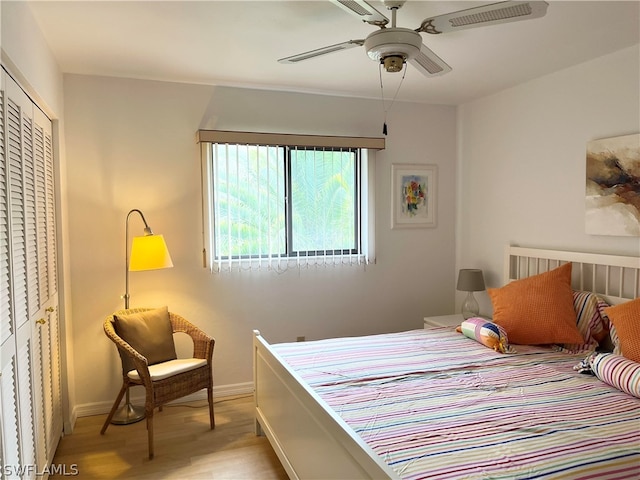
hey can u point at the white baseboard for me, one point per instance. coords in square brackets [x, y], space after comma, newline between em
[101, 408]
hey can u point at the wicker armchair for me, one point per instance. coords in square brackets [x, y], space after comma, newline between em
[163, 390]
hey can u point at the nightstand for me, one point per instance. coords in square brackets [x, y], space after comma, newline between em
[444, 320]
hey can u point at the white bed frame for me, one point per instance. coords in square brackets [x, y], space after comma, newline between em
[312, 441]
[615, 278]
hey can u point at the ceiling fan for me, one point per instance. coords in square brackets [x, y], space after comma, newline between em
[394, 46]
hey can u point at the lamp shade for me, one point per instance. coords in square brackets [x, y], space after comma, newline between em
[470, 280]
[149, 253]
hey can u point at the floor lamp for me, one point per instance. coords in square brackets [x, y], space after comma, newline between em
[148, 252]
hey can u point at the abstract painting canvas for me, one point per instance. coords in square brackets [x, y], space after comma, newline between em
[613, 186]
[413, 193]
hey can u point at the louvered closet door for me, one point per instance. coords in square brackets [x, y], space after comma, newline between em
[10, 452]
[31, 416]
[20, 171]
[48, 331]
[37, 280]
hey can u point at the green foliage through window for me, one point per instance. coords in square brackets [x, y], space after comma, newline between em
[284, 201]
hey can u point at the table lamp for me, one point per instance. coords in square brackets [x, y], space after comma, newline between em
[470, 280]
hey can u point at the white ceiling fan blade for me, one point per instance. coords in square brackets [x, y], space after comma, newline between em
[363, 11]
[322, 51]
[429, 64]
[502, 12]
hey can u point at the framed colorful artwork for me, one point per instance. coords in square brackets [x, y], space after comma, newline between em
[413, 195]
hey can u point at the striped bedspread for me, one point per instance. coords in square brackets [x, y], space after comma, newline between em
[435, 404]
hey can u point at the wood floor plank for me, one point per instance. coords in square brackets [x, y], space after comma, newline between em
[185, 447]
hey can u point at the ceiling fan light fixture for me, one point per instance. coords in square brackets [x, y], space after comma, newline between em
[389, 42]
[393, 47]
[393, 63]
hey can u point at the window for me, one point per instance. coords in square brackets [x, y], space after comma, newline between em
[272, 206]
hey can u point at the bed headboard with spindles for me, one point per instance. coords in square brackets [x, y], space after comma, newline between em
[616, 278]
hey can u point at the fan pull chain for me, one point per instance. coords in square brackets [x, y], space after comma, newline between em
[386, 110]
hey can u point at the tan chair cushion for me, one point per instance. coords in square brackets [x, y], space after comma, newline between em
[160, 371]
[149, 333]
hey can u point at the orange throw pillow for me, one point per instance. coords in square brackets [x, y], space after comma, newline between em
[537, 310]
[626, 320]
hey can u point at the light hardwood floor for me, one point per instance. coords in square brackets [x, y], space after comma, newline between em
[185, 447]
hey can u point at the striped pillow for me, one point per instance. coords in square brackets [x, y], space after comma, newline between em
[487, 333]
[617, 371]
[590, 320]
[615, 340]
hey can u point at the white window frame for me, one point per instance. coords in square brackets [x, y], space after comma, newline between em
[368, 148]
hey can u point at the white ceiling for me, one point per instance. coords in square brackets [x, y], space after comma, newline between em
[238, 42]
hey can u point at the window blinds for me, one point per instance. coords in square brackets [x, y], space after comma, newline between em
[288, 197]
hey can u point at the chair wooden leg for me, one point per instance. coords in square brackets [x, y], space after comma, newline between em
[212, 419]
[150, 432]
[116, 404]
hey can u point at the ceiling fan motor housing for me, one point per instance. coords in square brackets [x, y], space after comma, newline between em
[393, 42]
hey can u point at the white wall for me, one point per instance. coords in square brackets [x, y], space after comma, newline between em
[522, 162]
[130, 144]
[26, 53]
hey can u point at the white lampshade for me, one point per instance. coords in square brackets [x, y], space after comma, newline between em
[149, 253]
